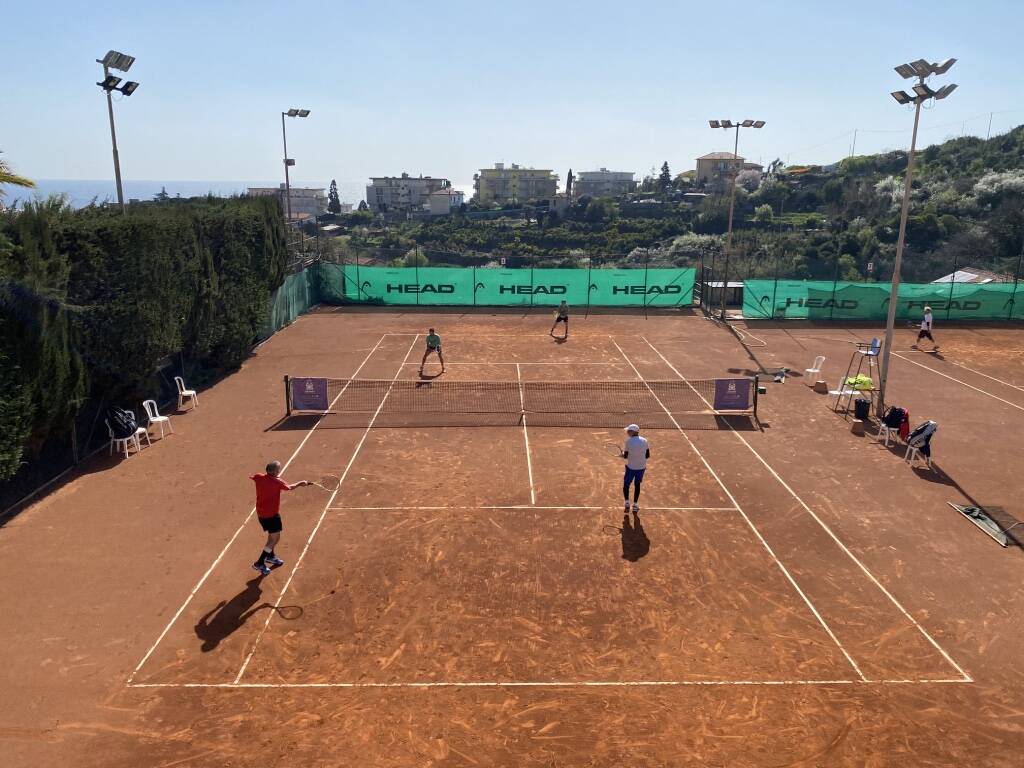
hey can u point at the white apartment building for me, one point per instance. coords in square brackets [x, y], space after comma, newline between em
[604, 183]
[402, 193]
[305, 201]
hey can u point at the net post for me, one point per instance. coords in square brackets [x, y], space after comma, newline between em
[757, 386]
[287, 396]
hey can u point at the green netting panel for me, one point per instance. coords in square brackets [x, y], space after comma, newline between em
[296, 295]
[507, 287]
[823, 299]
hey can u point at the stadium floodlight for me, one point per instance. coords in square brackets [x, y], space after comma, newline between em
[122, 62]
[922, 93]
[109, 83]
[737, 167]
[921, 68]
[288, 162]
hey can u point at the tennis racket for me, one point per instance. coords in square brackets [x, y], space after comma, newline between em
[327, 482]
[613, 450]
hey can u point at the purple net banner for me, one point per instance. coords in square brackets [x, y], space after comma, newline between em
[732, 394]
[309, 394]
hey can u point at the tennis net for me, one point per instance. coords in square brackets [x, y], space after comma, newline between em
[634, 399]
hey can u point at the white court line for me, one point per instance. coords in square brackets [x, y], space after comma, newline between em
[785, 571]
[951, 378]
[481, 362]
[534, 506]
[966, 678]
[245, 522]
[559, 684]
[312, 534]
[972, 370]
[526, 436]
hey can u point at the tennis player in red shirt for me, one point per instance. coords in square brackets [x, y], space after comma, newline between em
[268, 512]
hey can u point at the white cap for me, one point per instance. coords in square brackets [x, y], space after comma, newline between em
[633, 428]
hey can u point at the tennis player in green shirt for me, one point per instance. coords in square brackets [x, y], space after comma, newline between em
[433, 345]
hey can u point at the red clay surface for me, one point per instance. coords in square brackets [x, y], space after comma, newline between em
[799, 596]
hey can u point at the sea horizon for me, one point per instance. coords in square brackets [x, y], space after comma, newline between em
[82, 192]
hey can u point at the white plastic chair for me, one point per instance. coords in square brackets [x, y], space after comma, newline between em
[121, 443]
[842, 389]
[815, 368]
[154, 417]
[140, 432]
[885, 431]
[185, 394]
[912, 453]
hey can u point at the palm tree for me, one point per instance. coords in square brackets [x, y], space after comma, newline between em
[7, 176]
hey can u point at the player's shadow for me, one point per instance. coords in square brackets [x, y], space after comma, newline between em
[429, 376]
[635, 543]
[229, 616]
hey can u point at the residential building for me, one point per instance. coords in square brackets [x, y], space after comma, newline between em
[306, 202]
[402, 193]
[604, 183]
[443, 201]
[716, 168]
[514, 184]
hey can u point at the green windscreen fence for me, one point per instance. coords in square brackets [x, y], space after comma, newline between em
[825, 300]
[297, 294]
[486, 287]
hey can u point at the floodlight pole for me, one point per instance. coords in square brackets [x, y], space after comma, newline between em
[894, 289]
[287, 181]
[732, 205]
[113, 142]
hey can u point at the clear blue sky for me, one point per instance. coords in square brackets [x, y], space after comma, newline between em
[446, 88]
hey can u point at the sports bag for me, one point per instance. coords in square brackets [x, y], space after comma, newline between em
[121, 422]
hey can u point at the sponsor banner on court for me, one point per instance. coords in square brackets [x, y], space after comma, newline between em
[732, 394]
[309, 394]
[469, 286]
[843, 300]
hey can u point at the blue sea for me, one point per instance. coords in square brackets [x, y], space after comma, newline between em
[81, 192]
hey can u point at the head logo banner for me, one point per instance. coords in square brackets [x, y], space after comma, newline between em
[309, 394]
[732, 394]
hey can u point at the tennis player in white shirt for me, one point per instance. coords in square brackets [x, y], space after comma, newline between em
[636, 452]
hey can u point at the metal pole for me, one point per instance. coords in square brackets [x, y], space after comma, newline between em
[113, 143]
[988, 134]
[853, 147]
[894, 289]
[287, 181]
[952, 284]
[732, 205]
[1016, 278]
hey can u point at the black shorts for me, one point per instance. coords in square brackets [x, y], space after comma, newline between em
[433, 349]
[271, 524]
[925, 335]
[562, 320]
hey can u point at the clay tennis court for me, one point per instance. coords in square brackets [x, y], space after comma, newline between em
[470, 594]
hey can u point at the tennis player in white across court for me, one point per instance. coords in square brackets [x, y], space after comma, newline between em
[636, 452]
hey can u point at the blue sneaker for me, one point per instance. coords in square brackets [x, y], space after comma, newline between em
[261, 568]
[275, 561]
